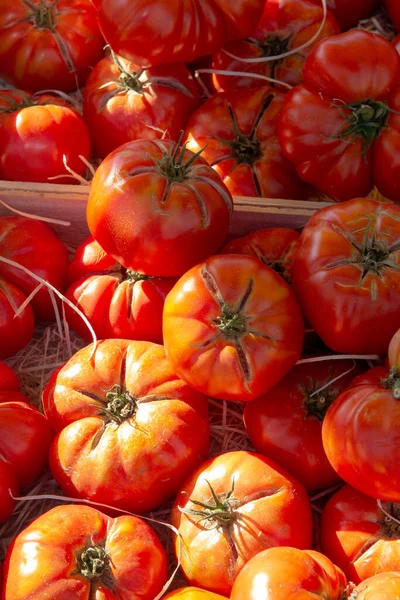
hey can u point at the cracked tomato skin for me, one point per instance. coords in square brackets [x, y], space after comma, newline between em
[192, 593]
[238, 131]
[345, 151]
[288, 574]
[156, 212]
[385, 586]
[55, 49]
[129, 431]
[267, 505]
[67, 540]
[15, 332]
[346, 275]
[232, 327]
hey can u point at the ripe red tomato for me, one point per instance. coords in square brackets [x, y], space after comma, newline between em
[232, 507]
[178, 32]
[288, 573]
[36, 136]
[350, 12]
[284, 26]
[296, 407]
[118, 303]
[385, 586]
[341, 130]
[123, 102]
[8, 378]
[157, 209]
[81, 553]
[346, 275]
[396, 43]
[393, 9]
[15, 332]
[275, 247]
[358, 537]
[238, 133]
[192, 593]
[232, 327]
[130, 431]
[48, 43]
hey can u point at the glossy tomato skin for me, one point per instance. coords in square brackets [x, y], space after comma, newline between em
[117, 303]
[130, 431]
[287, 573]
[315, 128]
[236, 363]
[179, 32]
[192, 593]
[284, 26]
[58, 56]
[132, 561]
[35, 246]
[15, 333]
[352, 307]
[358, 537]
[238, 131]
[393, 9]
[122, 102]
[154, 216]
[268, 505]
[8, 378]
[385, 586]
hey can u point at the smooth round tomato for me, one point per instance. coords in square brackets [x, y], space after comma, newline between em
[48, 43]
[275, 247]
[341, 129]
[346, 275]
[123, 102]
[8, 378]
[118, 303]
[130, 431]
[358, 537]
[232, 327]
[288, 574]
[157, 208]
[385, 586]
[154, 32]
[82, 553]
[393, 9]
[238, 132]
[232, 507]
[297, 405]
[192, 593]
[350, 12]
[284, 26]
[15, 332]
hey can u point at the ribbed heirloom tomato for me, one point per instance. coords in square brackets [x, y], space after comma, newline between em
[192, 593]
[385, 586]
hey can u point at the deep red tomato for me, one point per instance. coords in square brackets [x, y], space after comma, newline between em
[361, 445]
[238, 132]
[157, 208]
[192, 593]
[81, 553]
[350, 12]
[37, 136]
[342, 128]
[33, 245]
[179, 32]
[275, 247]
[232, 327]
[130, 431]
[288, 574]
[296, 407]
[8, 483]
[346, 275]
[15, 332]
[393, 9]
[123, 102]
[232, 507]
[8, 378]
[284, 26]
[396, 42]
[358, 537]
[48, 43]
[118, 303]
[385, 586]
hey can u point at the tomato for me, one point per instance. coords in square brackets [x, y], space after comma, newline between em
[130, 431]
[33, 245]
[346, 275]
[288, 573]
[48, 43]
[393, 9]
[232, 327]
[8, 378]
[123, 102]
[385, 586]
[296, 407]
[284, 26]
[157, 209]
[358, 537]
[118, 303]
[396, 42]
[350, 12]
[340, 130]
[192, 593]
[275, 247]
[8, 491]
[238, 133]
[179, 32]
[15, 332]
[232, 507]
[81, 553]
[38, 137]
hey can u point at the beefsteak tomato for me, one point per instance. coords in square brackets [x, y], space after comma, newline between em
[15, 332]
[385, 586]
[192, 593]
